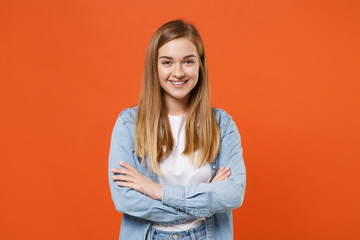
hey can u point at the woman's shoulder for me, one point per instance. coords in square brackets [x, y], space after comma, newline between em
[128, 115]
[224, 121]
[222, 117]
[126, 122]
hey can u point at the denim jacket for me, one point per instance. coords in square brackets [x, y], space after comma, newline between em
[214, 201]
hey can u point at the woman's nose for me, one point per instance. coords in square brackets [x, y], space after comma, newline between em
[178, 71]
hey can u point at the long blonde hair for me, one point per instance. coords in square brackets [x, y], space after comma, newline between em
[152, 127]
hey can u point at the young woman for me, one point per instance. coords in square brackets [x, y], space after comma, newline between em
[176, 169]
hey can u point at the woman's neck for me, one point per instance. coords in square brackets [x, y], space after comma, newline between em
[177, 107]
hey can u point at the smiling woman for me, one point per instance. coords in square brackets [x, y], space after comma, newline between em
[178, 69]
[176, 169]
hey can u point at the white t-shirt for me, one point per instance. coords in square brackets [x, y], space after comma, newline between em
[178, 169]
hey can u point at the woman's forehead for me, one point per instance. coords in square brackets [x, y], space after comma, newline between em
[180, 47]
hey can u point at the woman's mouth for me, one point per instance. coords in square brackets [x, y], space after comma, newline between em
[178, 84]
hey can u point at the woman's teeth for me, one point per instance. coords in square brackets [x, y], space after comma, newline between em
[178, 83]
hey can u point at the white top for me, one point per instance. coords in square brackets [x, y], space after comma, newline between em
[178, 169]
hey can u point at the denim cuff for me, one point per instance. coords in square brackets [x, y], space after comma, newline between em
[173, 196]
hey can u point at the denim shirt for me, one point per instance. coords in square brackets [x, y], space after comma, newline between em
[214, 201]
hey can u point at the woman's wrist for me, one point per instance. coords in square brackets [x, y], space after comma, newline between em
[160, 192]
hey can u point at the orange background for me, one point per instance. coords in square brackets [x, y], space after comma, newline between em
[287, 71]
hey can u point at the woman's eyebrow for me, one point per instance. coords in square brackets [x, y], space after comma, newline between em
[166, 57]
[188, 56]
[191, 55]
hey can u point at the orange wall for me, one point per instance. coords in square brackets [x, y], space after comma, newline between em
[287, 71]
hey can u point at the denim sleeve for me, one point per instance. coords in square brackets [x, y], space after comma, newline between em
[204, 200]
[130, 201]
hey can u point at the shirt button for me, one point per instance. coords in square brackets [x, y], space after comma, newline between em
[213, 166]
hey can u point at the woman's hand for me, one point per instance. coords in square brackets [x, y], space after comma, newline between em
[131, 178]
[222, 174]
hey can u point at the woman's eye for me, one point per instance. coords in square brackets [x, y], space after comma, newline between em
[189, 61]
[166, 62]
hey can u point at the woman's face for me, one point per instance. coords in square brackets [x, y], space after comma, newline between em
[178, 69]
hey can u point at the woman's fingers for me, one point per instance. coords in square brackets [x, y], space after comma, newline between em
[124, 184]
[125, 181]
[217, 175]
[127, 176]
[126, 170]
[120, 178]
[130, 177]
[128, 167]
[119, 170]
[222, 174]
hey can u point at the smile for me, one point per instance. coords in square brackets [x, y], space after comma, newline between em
[178, 82]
